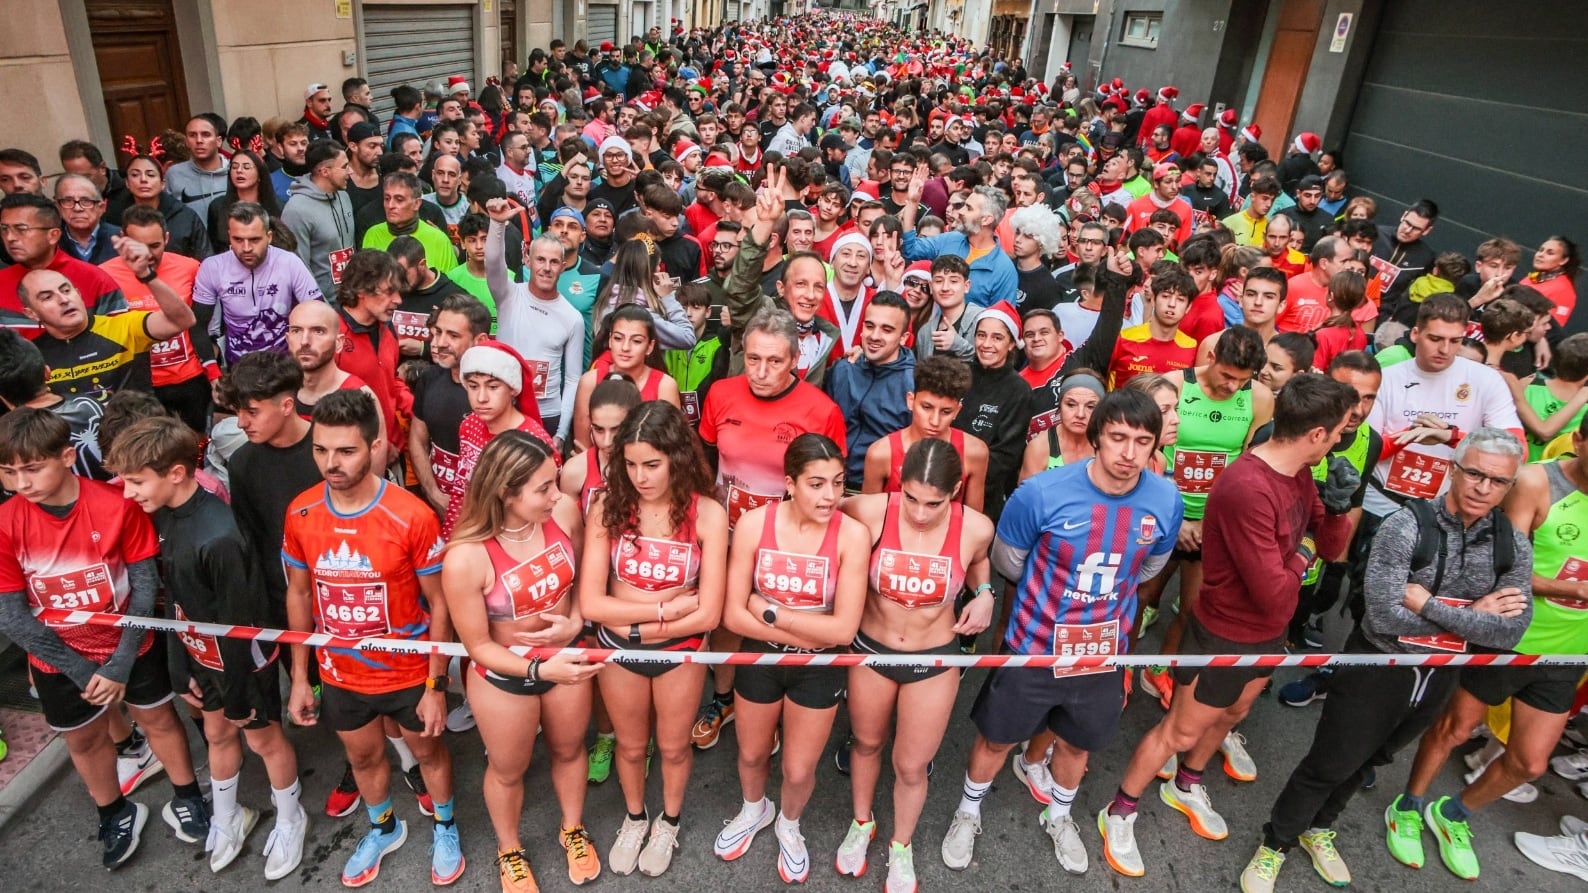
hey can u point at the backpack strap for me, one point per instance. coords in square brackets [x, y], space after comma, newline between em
[1430, 546]
[1504, 547]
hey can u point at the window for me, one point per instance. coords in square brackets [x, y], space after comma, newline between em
[1141, 29]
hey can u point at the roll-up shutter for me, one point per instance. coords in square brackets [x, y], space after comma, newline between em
[603, 23]
[417, 45]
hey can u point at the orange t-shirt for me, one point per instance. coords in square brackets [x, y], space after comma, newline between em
[364, 571]
[172, 361]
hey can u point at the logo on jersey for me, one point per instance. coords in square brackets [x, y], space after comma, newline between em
[1148, 530]
[1096, 577]
[343, 558]
[1463, 393]
[436, 549]
[1568, 533]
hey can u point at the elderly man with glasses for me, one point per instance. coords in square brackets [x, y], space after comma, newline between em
[86, 234]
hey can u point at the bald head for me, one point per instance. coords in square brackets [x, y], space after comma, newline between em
[312, 332]
[52, 300]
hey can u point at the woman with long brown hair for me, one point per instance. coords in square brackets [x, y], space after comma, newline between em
[508, 576]
[653, 576]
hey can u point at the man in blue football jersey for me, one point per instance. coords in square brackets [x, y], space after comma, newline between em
[1079, 539]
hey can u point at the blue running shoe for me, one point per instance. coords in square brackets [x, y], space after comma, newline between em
[1313, 687]
[446, 856]
[363, 866]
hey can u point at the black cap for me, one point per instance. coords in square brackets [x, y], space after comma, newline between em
[600, 204]
[1113, 140]
[833, 140]
[361, 131]
[1311, 181]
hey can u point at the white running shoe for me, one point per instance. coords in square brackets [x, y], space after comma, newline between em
[739, 832]
[1238, 764]
[1567, 855]
[1034, 776]
[284, 847]
[901, 870]
[851, 859]
[793, 860]
[1119, 843]
[1570, 824]
[959, 844]
[137, 767]
[461, 718]
[1572, 766]
[1196, 807]
[1067, 845]
[225, 842]
[658, 853]
[625, 852]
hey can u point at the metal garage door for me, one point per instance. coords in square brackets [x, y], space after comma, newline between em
[1484, 141]
[603, 23]
[417, 45]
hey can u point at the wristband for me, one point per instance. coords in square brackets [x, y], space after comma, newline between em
[1307, 549]
[984, 587]
[153, 275]
[533, 674]
[634, 634]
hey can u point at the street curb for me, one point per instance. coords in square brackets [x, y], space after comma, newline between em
[33, 779]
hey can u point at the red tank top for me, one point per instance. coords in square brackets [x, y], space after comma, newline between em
[796, 580]
[895, 481]
[911, 579]
[594, 480]
[650, 389]
[656, 564]
[532, 586]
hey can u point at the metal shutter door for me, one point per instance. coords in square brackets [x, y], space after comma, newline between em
[603, 23]
[416, 45]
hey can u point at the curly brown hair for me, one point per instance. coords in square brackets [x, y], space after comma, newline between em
[664, 427]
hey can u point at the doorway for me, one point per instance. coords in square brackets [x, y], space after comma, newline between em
[1285, 74]
[1081, 50]
[140, 66]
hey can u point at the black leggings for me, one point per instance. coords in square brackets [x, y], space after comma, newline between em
[189, 401]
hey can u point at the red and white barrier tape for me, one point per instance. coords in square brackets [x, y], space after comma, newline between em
[828, 659]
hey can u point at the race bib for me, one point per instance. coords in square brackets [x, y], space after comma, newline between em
[691, 401]
[444, 467]
[170, 352]
[1196, 470]
[1042, 422]
[650, 563]
[338, 261]
[1575, 570]
[204, 648]
[792, 580]
[353, 610]
[1201, 221]
[88, 589]
[1384, 271]
[1085, 640]
[411, 324]
[1416, 475]
[1441, 641]
[539, 584]
[913, 580]
[539, 370]
[741, 501]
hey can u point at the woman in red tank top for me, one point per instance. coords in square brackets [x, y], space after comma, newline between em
[628, 347]
[799, 587]
[584, 475]
[508, 579]
[926, 549]
[653, 574]
[494, 376]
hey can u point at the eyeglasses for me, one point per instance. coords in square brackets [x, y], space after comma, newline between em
[1479, 477]
[21, 229]
[1091, 241]
[76, 204]
[724, 246]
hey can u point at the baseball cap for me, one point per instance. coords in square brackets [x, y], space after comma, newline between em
[599, 204]
[571, 213]
[607, 47]
[361, 131]
[832, 140]
[1310, 181]
[309, 91]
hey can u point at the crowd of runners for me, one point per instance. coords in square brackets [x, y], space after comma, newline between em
[791, 337]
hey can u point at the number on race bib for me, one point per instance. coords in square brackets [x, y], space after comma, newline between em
[1196, 470]
[353, 610]
[912, 580]
[88, 589]
[1085, 640]
[537, 585]
[1416, 475]
[654, 564]
[411, 324]
[1441, 641]
[741, 500]
[793, 580]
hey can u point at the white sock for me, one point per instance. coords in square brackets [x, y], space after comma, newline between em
[223, 795]
[970, 796]
[1063, 799]
[404, 755]
[787, 824]
[288, 810]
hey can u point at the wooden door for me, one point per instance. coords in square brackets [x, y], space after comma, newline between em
[140, 66]
[509, 22]
[1286, 72]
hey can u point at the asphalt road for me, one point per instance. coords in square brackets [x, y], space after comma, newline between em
[55, 847]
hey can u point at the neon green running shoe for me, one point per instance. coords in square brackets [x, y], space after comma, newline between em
[601, 758]
[1404, 834]
[1455, 842]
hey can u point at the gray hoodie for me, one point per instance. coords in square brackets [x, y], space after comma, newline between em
[323, 224]
[1469, 575]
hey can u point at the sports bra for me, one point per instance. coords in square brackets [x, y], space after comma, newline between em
[896, 450]
[650, 390]
[594, 480]
[532, 586]
[656, 564]
[796, 580]
[912, 579]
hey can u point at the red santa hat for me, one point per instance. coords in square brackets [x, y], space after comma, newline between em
[1004, 312]
[1228, 119]
[1168, 93]
[684, 149]
[500, 361]
[1142, 96]
[847, 239]
[921, 269]
[1308, 142]
[1192, 113]
[1118, 84]
[1252, 133]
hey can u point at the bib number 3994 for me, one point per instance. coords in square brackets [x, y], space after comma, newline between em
[795, 581]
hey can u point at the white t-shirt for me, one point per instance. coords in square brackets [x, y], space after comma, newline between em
[520, 187]
[1467, 395]
[550, 336]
